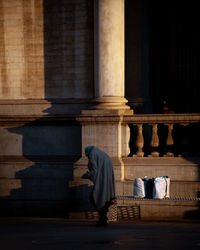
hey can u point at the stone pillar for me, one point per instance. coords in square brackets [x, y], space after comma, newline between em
[105, 118]
[103, 126]
[109, 54]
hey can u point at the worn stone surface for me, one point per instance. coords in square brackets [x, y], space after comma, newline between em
[164, 209]
[22, 54]
[41, 107]
[46, 140]
[177, 168]
[35, 186]
[46, 49]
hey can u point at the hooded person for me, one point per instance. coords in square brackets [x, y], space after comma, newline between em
[102, 175]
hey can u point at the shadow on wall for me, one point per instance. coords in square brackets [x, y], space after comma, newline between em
[68, 49]
[39, 183]
[38, 180]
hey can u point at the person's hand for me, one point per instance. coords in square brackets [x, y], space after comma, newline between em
[86, 175]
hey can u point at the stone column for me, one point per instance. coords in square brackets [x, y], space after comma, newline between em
[103, 126]
[109, 54]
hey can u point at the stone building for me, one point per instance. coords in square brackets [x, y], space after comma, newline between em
[118, 74]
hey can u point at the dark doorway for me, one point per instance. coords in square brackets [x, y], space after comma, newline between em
[174, 55]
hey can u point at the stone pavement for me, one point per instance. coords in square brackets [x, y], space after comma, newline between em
[60, 234]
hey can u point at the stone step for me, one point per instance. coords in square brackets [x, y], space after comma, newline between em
[168, 208]
[129, 208]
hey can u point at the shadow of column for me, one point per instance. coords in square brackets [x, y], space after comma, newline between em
[51, 143]
[46, 167]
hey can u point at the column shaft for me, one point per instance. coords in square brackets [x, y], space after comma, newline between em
[109, 53]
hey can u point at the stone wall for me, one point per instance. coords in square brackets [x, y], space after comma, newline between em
[46, 79]
[21, 40]
[46, 49]
[68, 49]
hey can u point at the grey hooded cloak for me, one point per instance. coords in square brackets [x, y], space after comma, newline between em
[102, 175]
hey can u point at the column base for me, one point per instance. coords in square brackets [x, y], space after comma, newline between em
[111, 103]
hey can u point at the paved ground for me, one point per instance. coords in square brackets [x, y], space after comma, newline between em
[60, 234]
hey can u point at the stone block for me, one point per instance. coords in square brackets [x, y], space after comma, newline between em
[128, 188]
[35, 183]
[173, 210]
[13, 22]
[36, 168]
[14, 52]
[34, 189]
[185, 189]
[36, 140]
[177, 168]
[119, 188]
[163, 209]
[10, 144]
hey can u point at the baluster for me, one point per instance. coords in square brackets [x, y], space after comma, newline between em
[125, 140]
[169, 141]
[140, 141]
[154, 140]
[184, 140]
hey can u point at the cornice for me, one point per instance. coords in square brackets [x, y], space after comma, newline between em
[36, 119]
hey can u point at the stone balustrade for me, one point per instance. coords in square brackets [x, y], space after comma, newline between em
[156, 135]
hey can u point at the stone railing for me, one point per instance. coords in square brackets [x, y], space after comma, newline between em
[164, 134]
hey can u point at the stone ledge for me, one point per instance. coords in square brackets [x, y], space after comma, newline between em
[148, 210]
[176, 200]
[152, 161]
[36, 119]
[44, 106]
[46, 101]
[165, 208]
[163, 118]
[39, 159]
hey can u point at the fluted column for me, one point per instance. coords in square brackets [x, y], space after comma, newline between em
[109, 54]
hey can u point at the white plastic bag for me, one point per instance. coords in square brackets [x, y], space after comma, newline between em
[139, 190]
[161, 187]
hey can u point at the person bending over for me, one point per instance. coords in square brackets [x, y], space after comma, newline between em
[102, 175]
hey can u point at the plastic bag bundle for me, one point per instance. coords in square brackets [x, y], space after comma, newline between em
[161, 187]
[139, 190]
